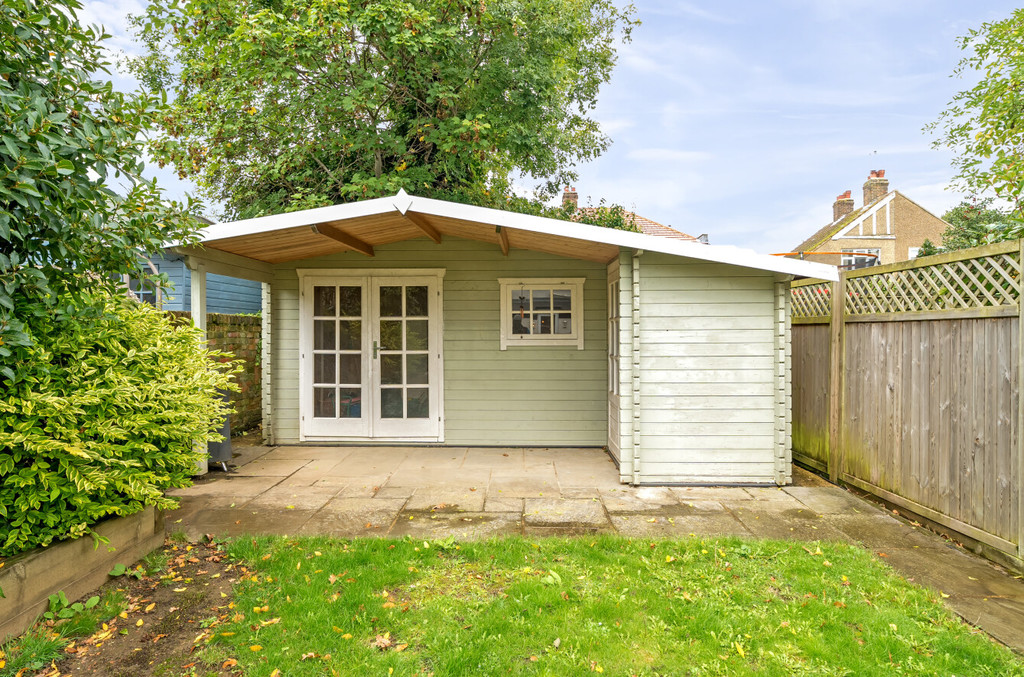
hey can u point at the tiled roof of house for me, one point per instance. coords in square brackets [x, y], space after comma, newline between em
[647, 226]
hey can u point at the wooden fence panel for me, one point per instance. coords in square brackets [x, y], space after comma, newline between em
[929, 412]
[810, 394]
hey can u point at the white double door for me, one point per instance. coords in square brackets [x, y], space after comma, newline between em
[370, 356]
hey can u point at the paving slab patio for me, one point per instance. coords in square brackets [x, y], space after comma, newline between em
[475, 493]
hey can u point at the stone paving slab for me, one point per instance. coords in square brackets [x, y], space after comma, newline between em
[789, 524]
[564, 512]
[272, 467]
[462, 525]
[450, 500]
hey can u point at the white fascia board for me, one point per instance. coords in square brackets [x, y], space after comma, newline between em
[306, 217]
[728, 254]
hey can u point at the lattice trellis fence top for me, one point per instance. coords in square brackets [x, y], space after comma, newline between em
[812, 300]
[986, 277]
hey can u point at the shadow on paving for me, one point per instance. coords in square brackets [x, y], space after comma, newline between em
[479, 493]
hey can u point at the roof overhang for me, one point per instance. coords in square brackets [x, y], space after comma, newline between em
[362, 226]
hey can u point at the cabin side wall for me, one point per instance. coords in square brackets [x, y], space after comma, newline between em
[713, 379]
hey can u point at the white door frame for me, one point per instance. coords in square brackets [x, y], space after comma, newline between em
[362, 428]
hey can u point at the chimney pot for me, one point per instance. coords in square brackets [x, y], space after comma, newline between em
[876, 186]
[842, 206]
[570, 197]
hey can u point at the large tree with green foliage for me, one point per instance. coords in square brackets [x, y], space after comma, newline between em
[984, 125]
[973, 223]
[75, 211]
[290, 104]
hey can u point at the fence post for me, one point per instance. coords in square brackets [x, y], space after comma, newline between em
[1020, 405]
[836, 359]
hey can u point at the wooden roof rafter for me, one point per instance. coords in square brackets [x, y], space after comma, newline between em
[502, 239]
[338, 235]
[423, 224]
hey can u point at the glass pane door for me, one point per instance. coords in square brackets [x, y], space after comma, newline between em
[406, 401]
[370, 365]
[338, 358]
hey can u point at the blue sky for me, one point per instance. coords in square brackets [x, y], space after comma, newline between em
[745, 119]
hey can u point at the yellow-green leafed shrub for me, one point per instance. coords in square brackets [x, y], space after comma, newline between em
[106, 420]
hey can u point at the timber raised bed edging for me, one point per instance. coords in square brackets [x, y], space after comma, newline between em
[76, 567]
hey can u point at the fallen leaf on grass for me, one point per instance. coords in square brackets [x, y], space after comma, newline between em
[229, 663]
[255, 647]
[557, 643]
[307, 656]
[383, 642]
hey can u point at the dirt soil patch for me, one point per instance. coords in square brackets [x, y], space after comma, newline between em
[170, 616]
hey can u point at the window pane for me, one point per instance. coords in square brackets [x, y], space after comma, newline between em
[541, 299]
[323, 300]
[563, 323]
[350, 301]
[563, 299]
[351, 369]
[520, 325]
[520, 300]
[391, 334]
[323, 402]
[350, 402]
[419, 402]
[415, 301]
[391, 403]
[351, 334]
[416, 335]
[391, 369]
[323, 335]
[417, 369]
[542, 323]
[391, 301]
[323, 369]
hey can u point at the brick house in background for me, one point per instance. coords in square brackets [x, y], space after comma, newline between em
[888, 228]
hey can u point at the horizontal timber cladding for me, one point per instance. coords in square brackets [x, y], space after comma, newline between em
[709, 373]
[525, 395]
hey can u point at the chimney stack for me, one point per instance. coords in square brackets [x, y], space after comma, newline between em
[842, 206]
[876, 186]
[570, 198]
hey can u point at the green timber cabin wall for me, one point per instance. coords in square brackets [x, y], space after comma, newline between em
[523, 396]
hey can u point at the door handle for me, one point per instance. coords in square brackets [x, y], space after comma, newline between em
[375, 347]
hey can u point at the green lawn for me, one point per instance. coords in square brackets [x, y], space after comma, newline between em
[573, 606]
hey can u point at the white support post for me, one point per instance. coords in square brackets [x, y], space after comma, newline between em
[198, 298]
[266, 380]
[635, 373]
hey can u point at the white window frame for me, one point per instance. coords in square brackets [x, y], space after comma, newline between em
[575, 287]
[912, 252]
[849, 258]
[614, 337]
[146, 288]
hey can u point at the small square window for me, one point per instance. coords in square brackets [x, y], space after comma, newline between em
[542, 312]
